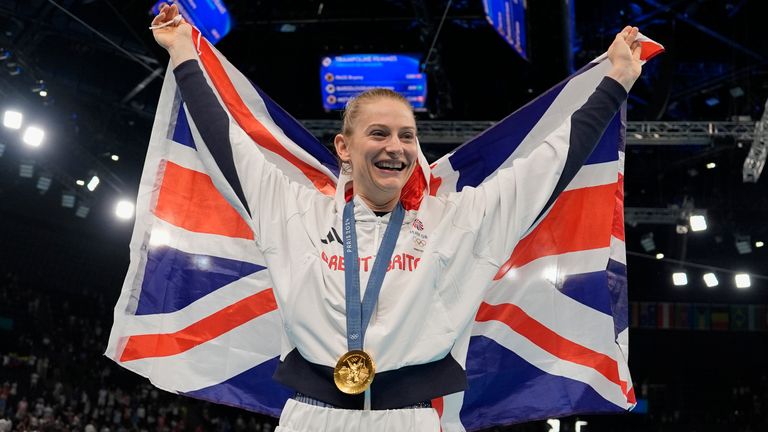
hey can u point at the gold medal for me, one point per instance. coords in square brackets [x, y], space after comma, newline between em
[354, 372]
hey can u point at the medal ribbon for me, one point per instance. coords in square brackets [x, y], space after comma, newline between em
[359, 314]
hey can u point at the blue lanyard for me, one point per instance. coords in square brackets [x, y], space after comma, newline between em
[359, 315]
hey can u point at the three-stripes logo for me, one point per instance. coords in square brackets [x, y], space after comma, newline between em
[332, 236]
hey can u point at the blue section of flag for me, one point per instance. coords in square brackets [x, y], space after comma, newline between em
[483, 155]
[505, 389]
[585, 289]
[617, 286]
[174, 279]
[182, 134]
[253, 389]
[298, 134]
[605, 151]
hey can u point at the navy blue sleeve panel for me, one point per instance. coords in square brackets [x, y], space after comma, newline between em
[211, 120]
[588, 124]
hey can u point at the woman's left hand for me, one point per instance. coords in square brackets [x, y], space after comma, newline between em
[624, 54]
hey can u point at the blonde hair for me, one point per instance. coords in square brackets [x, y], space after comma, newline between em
[352, 109]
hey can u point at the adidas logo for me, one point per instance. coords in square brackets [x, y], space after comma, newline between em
[332, 236]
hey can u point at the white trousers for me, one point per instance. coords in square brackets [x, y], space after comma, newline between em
[301, 417]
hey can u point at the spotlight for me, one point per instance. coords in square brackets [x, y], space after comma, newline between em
[33, 136]
[44, 183]
[647, 242]
[82, 211]
[80, 182]
[742, 280]
[711, 280]
[743, 244]
[698, 223]
[711, 165]
[93, 183]
[679, 279]
[12, 119]
[26, 170]
[115, 157]
[758, 244]
[659, 256]
[67, 199]
[124, 210]
[43, 93]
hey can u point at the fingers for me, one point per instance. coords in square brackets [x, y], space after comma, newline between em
[636, 49]
[167, 13]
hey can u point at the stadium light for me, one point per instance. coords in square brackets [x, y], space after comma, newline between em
[82, 211]
[659, 256]
[758, 244]
[647, 242]
[93, 183]
[115, 157]
[26, 169]
[33, 136]
[742, 280]
[67, 199]
[124, 210]
[679, 278]
[711, 280]
[711, 165]
[743, 244]
[12, 119]
[44, 183]
[698, 223]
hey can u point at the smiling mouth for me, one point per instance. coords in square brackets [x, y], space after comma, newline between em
[390, 165]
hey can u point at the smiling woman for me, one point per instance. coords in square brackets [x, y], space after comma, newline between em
[378, 145]
[376, 322]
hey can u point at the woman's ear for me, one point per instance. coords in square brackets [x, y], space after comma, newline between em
[342, 147]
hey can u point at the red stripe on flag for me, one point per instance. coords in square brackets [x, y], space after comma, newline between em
[581, 219]
[188, 199]
[525, 325]
[208, 328]
[251, 125]
[618, 211]
[649, 50]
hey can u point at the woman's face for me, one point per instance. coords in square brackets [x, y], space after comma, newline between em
[382, 149]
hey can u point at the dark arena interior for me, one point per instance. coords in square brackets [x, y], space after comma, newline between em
[89, 74]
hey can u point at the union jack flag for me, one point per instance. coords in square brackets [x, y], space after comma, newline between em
[197, 315]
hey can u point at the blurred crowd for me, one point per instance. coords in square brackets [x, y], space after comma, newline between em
[54, 377]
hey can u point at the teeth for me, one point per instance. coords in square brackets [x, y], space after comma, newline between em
[389, 164]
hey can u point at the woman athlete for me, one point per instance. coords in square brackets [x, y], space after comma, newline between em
[378, 286]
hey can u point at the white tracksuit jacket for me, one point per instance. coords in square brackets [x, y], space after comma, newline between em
[447, 253]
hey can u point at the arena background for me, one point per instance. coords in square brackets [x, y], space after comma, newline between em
[697, 353]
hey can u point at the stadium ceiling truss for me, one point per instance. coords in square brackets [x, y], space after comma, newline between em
[667, 133]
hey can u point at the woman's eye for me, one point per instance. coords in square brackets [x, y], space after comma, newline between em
[378, 133]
